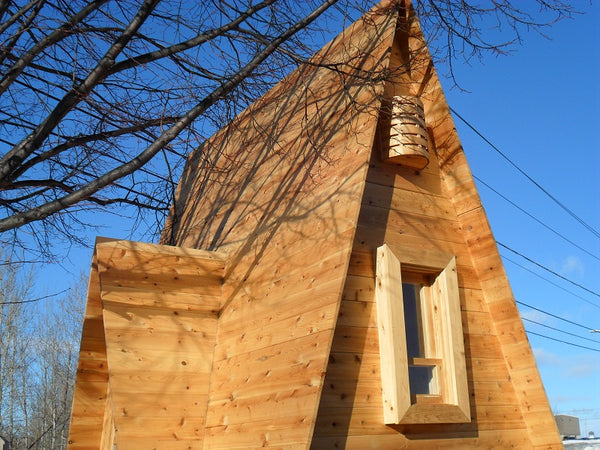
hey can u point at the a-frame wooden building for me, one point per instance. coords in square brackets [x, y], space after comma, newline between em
[327, 278]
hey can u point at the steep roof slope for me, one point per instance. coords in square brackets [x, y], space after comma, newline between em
[460, 188]
[278, 191]
[421, 215]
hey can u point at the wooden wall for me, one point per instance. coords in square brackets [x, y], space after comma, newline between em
[411, 213]
[434, 211]
[147, 347]
[458, 185]
[278, 192]
[91, 413]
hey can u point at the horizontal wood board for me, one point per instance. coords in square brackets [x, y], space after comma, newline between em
[278, 194]
[147, 346]
[89, 428]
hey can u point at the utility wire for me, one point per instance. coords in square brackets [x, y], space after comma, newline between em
[565, 208]
[551, 282]
[547, 269]
[559, 330]
[535, 218]
[555, 316]
[563, 342]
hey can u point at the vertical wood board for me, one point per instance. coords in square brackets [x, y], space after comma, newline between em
[91, 404]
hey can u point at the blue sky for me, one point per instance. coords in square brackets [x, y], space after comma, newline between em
[541, 107]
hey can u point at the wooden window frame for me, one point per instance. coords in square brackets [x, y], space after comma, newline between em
[443, 343]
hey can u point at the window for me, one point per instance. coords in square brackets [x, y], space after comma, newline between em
[423, 363]
[423, 370]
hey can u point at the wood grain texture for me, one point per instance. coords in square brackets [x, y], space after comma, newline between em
[147, 349]
[421, 214]
[268, 337]
[506, 320]
[460, 187]
[392, 336]
[91, 421]
[153, 327]
[278, 192]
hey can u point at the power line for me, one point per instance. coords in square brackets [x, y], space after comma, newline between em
[547, 269]
[554, 199]
[559, 330]
[550, 281]
[563, 342]
[535, 218]
[555, 316]
[581, 410]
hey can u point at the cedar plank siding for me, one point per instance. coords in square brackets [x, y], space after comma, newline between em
[351, 411]
[433, 210]
[278, 192]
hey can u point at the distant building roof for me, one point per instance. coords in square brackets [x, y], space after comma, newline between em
[567, 425]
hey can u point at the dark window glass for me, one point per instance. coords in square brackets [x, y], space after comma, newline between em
[420, 378]
[412, 319]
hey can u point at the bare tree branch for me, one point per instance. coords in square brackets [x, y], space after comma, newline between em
[91, 92]
[53, 38]
[85, 192]
[15, 156]
[33, 300]
[190, 43]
